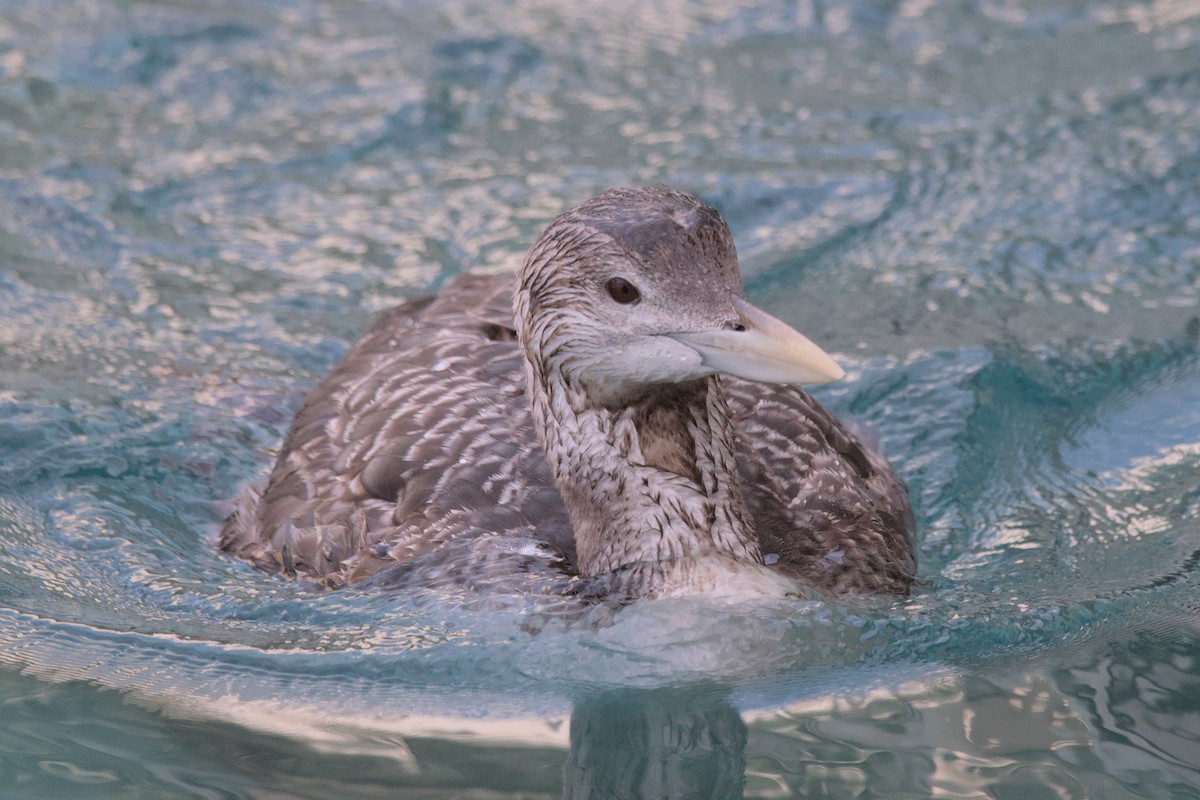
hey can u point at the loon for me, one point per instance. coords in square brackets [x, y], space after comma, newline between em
[621, 423]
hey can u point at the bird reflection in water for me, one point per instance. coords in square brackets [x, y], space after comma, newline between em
[671, 743]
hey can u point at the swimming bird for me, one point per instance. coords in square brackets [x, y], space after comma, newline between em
[621, 422]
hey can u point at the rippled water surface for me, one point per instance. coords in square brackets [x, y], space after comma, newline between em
[989, 211]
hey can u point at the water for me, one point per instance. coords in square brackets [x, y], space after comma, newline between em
[990, 211]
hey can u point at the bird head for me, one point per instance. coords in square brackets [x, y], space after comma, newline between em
[639, 288]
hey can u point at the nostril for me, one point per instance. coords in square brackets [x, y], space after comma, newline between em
[734, 325]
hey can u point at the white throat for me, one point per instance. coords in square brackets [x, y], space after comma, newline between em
[651, 487]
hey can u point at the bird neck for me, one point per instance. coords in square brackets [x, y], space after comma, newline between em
[650, 486]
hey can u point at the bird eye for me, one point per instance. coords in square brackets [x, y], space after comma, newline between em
[622, 291]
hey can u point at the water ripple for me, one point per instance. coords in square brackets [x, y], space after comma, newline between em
[988, 211]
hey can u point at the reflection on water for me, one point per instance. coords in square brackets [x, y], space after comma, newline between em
[1113, 719]
[673, 743]
[987, 211]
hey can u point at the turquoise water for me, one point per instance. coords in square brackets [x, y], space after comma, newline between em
[989, 211]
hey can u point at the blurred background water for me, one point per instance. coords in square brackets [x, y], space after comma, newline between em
[990, 211]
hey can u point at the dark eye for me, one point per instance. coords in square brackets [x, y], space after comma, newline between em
[622, 291]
